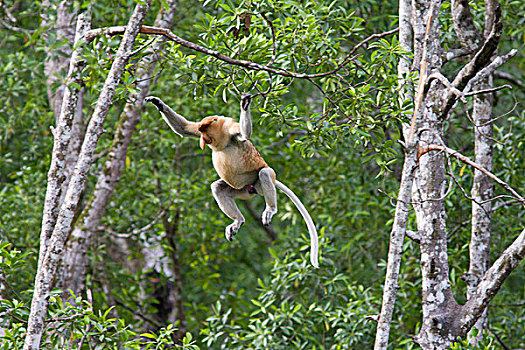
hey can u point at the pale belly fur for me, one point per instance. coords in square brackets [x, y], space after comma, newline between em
[238, 165]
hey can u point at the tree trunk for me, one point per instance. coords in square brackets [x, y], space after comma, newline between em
[68, 112]
[482, 188]
[57, 60]
[75, 259]
[443, 319]
[48, 265]
[438, 301]
[482, 192]
[395, 249]
[404, 196]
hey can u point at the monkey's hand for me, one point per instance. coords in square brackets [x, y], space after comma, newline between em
[156, 101]
[177, 122]
[246, 99]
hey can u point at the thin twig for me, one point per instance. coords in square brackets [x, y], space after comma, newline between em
[336, 106]
[8, 12]
[508, 77]
[500, 341]
[148, 43]
[516, 103]
[135, 312]
[138, 231]
[486, 91]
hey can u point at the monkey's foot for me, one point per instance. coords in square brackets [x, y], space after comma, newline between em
[267, 215]
[232, 229]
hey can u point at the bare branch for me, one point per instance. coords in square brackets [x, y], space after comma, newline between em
[446, 82]
[8, 12]
[268, 229]
[135, 312]
[499, 116]
[395, 249]
[482, 57]
[414, 236]
[485, 72]
[466, 160]
[488, 91]
[490, 284]
[509, 77]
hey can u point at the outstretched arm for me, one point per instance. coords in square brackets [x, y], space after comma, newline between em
[246, 119]
[177, 122]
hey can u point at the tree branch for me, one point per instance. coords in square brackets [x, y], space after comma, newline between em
[466, 31]
[490, 284]
[446, 82]
[466, 160]
[509, 77]
[414, 236]
[482, 57]
[395, 250]
[47, 266]
[268, 229]
[242, 63]
[487, 91]
[497, 62]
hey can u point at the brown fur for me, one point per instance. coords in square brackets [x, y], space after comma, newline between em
[236, 161]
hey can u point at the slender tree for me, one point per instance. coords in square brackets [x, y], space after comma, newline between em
[75, 258]
[443, 319]
[53, 250]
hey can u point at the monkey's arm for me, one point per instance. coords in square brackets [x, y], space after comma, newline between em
[177, 122]
[245, 119]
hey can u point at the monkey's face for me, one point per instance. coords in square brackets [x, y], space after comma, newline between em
[211, 129]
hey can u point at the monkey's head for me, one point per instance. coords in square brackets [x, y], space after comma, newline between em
[212, 131]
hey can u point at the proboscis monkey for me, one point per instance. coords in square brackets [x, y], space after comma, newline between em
[242, 170]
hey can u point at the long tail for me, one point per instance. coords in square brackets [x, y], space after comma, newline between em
[314, 240]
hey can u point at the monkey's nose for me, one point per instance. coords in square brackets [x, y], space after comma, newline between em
[203, 127]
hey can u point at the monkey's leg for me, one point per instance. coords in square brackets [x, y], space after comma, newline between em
[225, 197]
[267, 186]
